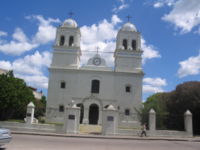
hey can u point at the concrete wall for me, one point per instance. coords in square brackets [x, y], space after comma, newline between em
[160, 133]
[33, 127]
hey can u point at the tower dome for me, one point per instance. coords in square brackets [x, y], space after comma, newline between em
[70, 23]
[128, 27]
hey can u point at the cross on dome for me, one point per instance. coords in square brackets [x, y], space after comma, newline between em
[128, 17]
[70, 14]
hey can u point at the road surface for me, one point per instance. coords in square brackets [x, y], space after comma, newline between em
[33, 142]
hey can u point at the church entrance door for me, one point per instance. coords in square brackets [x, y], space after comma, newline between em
[93, 114]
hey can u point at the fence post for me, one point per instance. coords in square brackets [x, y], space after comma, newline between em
[30, 113]
[71, 119]
[110, 121]
[188, 122]
[152, 120]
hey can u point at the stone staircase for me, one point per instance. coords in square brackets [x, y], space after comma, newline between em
[90, 129]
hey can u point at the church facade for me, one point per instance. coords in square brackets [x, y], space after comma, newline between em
[95, 86]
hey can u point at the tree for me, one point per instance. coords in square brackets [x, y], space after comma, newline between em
[170, 107]
[14, 97]
[157, 103]
[185, 97]
[40, 106]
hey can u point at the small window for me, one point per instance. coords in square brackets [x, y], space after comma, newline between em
[95, 86]
[128, 88]
[61, 108]
[127, 112]
[62, 40]
[71, 41]
[134, 44]
[62, 85]
[125, 43]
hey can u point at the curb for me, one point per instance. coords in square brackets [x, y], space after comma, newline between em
[108, 137]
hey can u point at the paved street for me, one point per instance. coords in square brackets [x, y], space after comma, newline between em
[33, 142]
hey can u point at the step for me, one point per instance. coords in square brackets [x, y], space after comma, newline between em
[90, 129]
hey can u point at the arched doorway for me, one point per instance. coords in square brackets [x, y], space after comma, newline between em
[81, 112]
[93, 114]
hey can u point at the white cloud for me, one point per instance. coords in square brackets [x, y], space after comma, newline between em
[32, 64]
[38, 59]
[149, 51]
[153, 85]
[21, 43]
[19, 35]
[152, 89]
[46, 31]
[5, 65]
[2, 33]
[39, 81]
[155, 81]
[123, 5]
[191, 66]
[158, 5]
[30, 68]
[116, 19]
[16, 47]
[185, 15]
[102, 35]
[161, 3]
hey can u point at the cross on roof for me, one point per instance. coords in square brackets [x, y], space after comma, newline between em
[71, 14]
[128, 17]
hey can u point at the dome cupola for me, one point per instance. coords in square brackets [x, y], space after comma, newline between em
[128, 27]
[70, 23]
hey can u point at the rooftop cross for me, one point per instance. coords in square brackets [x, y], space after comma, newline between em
[71, 14]
[128, 17]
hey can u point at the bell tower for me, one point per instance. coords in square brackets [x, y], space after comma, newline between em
[128, 49]
[67, 51]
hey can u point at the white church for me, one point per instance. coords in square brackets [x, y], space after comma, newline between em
[95, 86]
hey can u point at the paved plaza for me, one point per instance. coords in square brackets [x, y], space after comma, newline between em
[35, 142]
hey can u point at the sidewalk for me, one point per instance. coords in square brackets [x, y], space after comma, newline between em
[119, 137]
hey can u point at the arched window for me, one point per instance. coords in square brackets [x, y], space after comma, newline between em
[127, 112]
[125, 43]
[134, 44]
[71, 41]
[128, 88]
[62, 40]
[62, 84]
[95, 86]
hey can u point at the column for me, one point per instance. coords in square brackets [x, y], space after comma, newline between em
[86, 115]
[152, 120]
[188, 122]
[100, 117]
[30, 113]
[110, 121]
[72, 119]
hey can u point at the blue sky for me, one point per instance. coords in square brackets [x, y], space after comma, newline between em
[170, 32]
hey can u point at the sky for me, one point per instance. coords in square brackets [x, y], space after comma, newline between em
[170, 31]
